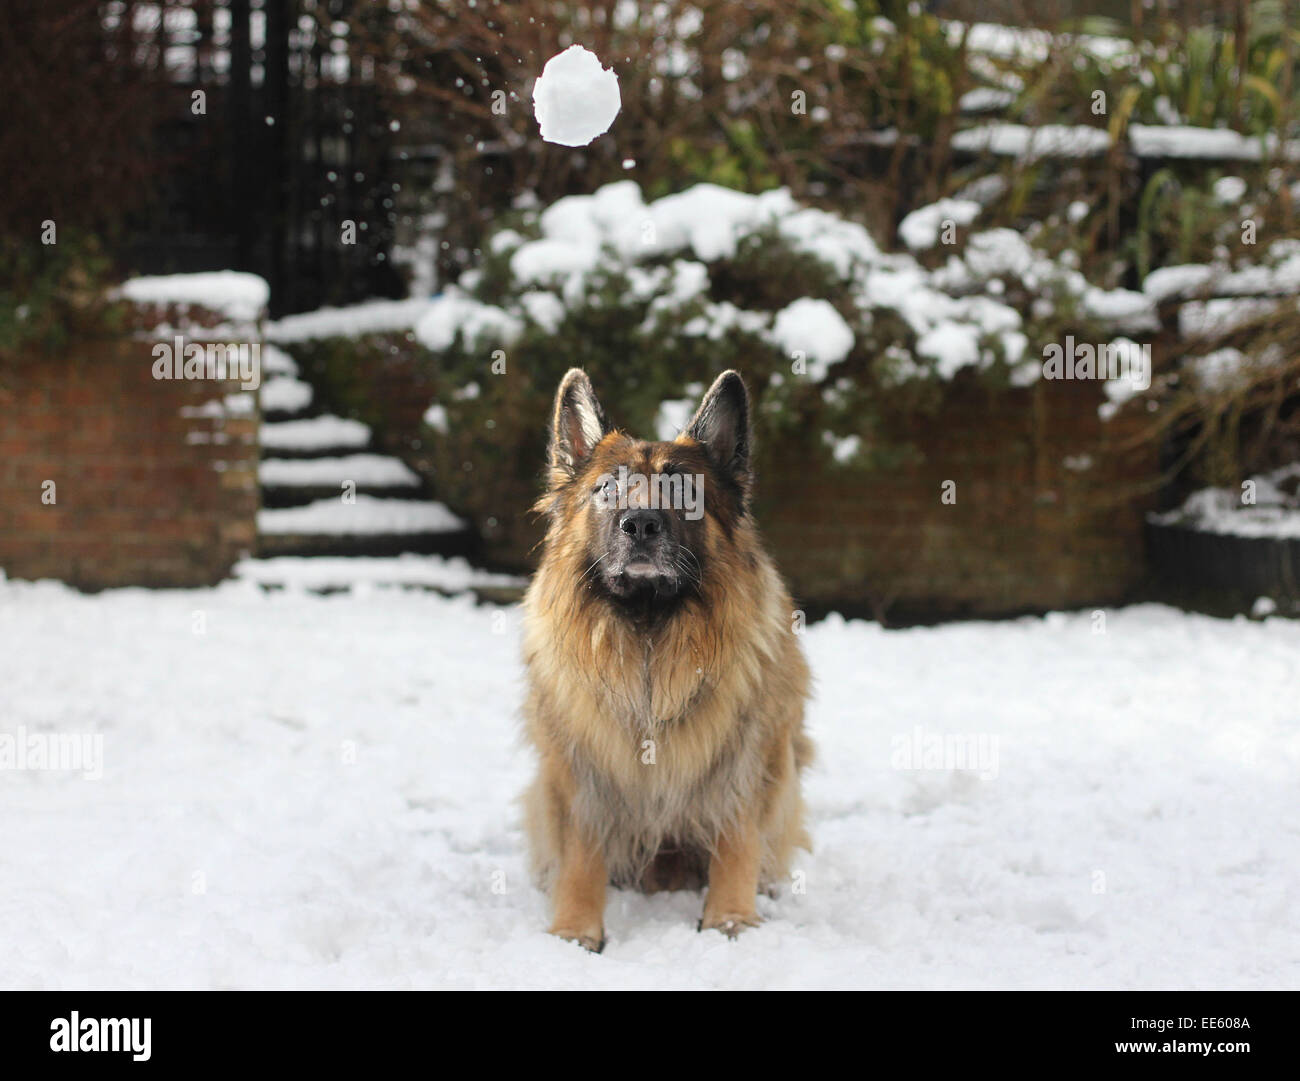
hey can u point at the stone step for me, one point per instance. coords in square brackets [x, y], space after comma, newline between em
[366, 525]
[285, 397]
[313, 437]
[290, 482]
[323, 574]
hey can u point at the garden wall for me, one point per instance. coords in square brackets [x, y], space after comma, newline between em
[155, 481]
[1047, 513]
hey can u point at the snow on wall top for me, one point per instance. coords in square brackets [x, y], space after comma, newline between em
[234, 294]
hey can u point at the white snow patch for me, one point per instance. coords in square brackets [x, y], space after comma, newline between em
[543, 308]
[920, 229]
[455, 313]
[341, 771]
[314, 433]
[370, 470]
[815, 329]
[436, 418]
[285, 394]
[952, 346]
[449, 574]
[1274, 513]
[369, 317]
[367, 515]
[234, 294]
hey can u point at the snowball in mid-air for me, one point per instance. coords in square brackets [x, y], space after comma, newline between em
[575, 99]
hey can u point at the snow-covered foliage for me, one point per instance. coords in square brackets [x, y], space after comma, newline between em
[1265, 505]
[803, 290]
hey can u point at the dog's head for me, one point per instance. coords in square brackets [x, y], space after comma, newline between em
[646, 517]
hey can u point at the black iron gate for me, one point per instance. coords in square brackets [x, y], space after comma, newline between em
[274, 156]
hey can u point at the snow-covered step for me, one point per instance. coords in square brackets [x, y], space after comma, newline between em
[285, 394]
[275, 361]
[365, 525]
[363, 470]
[326, 574]
[291, 481]
[314, 436]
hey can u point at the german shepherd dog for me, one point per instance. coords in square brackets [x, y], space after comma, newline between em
[666, 685]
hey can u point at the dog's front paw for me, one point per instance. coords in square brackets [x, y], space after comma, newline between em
[593, 942]
[729, 923]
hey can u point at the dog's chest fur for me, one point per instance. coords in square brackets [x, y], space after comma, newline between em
[657, 726]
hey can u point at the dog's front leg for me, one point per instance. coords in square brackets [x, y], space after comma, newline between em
[580, 892]
[733, 881]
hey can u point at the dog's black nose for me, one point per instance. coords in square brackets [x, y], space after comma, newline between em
[642, 524]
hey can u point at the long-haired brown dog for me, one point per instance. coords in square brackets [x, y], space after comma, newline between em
[666, 685]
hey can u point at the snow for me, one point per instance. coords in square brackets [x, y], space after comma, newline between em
[552, 262]
[1218, 370]
[954, 310]
[359, 573]
[275, 361]
[1272, 514]
[436, 418]
[985, 99]
[285, 394]
[367, 470]
[544, 309]
[1279, 275]
[315, 433]
[1177, 282]
[952, 346]
[454, 314]
[1007, 139]
[1210, 144]
[1211, 318]
[318, 792]
[370, 317]
[364, 515]
[920, 229]
[840, 244]
[843, 448]
[706, 218]
[1044, 141]
[814, 329]
[234, 294]
[1229, 190]
[722, 317]
[1121, 309]
[575, 100]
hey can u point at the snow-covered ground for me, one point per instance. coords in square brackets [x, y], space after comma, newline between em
[318, 792]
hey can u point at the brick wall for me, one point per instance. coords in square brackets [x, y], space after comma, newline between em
[155, 480]
[1027, 531]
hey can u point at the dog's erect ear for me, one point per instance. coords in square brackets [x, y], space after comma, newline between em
[722, 424]
[577, 425]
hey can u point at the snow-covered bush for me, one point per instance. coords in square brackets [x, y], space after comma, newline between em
[655, 298]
